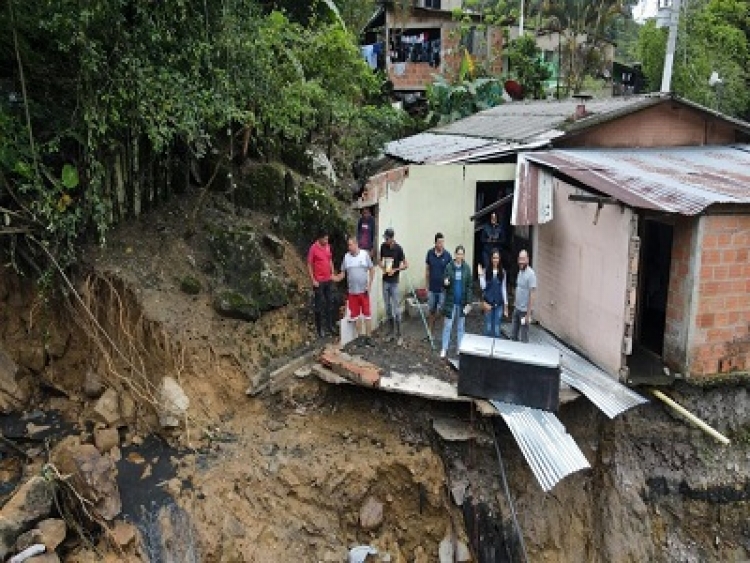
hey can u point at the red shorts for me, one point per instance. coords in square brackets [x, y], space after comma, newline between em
[359, 304]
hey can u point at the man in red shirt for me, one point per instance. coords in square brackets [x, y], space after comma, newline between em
[320, 269]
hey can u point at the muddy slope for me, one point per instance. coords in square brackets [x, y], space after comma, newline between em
[301, 475]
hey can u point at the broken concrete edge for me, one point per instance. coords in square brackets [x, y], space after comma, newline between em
[483, 407]
[351, 367]
[263, 380]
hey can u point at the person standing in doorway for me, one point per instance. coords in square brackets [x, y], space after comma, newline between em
[392, 261]
[457, 283]
[366, 231]
[494, 294]
[358, 269]
[320, 270]
[492, 235]
[524, 298]
[436, 261]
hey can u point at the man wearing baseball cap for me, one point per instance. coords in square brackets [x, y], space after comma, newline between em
[392, 261]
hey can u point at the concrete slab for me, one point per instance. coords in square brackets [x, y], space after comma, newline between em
[456, 430]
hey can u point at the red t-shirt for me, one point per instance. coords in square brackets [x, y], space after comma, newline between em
[319, 257]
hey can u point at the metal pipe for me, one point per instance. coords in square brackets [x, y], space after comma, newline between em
[691, 417]
[666, 79]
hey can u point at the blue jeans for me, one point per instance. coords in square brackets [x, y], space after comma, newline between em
[435, 300]
[391, 298]
[492, 321]
[448, 327]
[519, 331]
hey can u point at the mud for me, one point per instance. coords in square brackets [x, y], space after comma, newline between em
[283, 477]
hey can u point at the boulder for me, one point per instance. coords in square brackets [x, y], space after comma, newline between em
[127, 407]
[12, 396]
[274, 244]
[32, 355]
[123, 533]
[52, 532]
[106, 438]
[371, 514]
[31, 502]
[233, 305]
[93, 475]
[173, 403]
[190, 285]
[56, 343]
[93, 385]
[108, 407]
[27, 539]
[251, 287]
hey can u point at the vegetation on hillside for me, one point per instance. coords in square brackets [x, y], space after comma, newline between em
[106, 107]
[714, 36]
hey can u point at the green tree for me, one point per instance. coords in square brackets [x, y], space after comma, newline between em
[526, 66]
[586, 27]
[121, 94]
[712, 38]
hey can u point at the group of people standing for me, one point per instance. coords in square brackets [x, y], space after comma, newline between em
[448, 279]
[357, 267]
[449, 282]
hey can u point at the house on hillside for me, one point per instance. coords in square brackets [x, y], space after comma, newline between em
[414, 42]
[608, 300]
[552, 45]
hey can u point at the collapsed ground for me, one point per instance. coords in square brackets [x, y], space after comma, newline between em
[312, 470]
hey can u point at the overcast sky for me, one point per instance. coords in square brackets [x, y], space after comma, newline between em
[644, 9]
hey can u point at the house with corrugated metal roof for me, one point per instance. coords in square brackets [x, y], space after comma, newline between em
[635, 212]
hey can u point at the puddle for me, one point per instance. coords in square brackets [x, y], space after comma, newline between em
[142, 474]
[35, 427]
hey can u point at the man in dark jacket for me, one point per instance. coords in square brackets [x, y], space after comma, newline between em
[457, 281]
[366, 232]
[492, 235]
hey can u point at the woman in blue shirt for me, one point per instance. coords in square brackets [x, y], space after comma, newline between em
[494, 294]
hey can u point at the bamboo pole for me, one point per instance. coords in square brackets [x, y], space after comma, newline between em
[691, 417]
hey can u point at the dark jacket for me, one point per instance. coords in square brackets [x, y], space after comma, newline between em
[493, 290]
[449, 298]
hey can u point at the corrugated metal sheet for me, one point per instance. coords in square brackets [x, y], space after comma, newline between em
[549, 450]
[684, 180]
[602, 389]
[425, 147]
[520, 122]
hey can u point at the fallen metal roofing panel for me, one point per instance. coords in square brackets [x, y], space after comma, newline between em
[684, 180]
[608, 394]
[549, 450]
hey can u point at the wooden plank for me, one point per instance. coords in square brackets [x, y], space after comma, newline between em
[329, 376]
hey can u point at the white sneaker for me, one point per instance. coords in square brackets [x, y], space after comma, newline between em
[442, 354]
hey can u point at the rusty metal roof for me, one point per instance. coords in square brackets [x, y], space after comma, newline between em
[684, 180]
[521, 122]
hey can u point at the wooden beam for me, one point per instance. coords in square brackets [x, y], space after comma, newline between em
[490, 208]
[599, 200]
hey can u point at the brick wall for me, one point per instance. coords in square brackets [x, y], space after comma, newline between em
[664, 125]
[416, 76]
[681, 280]
[720, 339]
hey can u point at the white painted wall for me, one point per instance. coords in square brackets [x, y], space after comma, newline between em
[433, 198]
[582, 275]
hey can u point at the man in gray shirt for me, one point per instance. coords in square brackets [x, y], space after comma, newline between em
[525, 287]
[358, 268]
